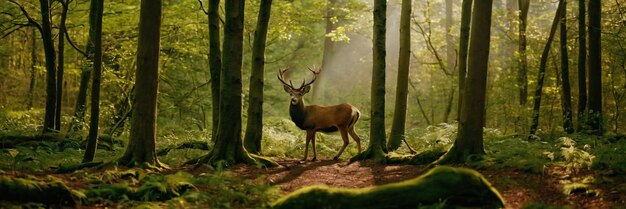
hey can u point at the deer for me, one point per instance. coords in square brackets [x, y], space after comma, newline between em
[314, 118]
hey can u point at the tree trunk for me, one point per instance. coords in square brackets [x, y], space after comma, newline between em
[327, 56]
[377, 146]
[228, 149]
[450, 53]
[542, 69]
[48, 45]
[522, 73]
[215, 63]
[254, 127]
[92, 138]
[470, 135]
[566, 95]
[33, 70]
[466, 17]
[142, 140]
[402, 87]
[78, 120]
[60, 65]
[595, 118]
[582, 65]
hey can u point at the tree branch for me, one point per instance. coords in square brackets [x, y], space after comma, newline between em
[30, 19]
[202, 8]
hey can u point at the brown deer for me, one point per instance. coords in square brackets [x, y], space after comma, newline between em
[314, 118]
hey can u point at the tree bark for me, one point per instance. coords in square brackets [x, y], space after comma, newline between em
[215, 63]
[470, 134]
[60, 65]
[48, 45]
[327, 56]
[399, 116]
[450, 53]
[228, 149]
[377, 146]
[582, 65]
[254, 127]
[566, 95]
[142, 140]
[522, 73]
[466, 17]
[595, 118]
[542, 69]
[92, 138]
[33, 70]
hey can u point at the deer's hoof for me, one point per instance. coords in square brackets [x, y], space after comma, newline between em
[314, 159]
[336, 158]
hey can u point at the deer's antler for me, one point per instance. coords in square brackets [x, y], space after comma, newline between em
[281, 77]
[315, 74]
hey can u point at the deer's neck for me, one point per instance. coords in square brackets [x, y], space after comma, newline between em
[297, 114]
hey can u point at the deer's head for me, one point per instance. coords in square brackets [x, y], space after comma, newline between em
[296, 93]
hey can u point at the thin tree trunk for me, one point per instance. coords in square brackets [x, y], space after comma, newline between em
[469, 139]
[582, 65]
[92, 138]
[402, 86]
[215, 63]
[142, 140]
[254, 127]
[566, 95]
[542, 69]
[466, 17]
[377, 146]
[327, 56]
[595, 118]
[450, 53]
[60, 65]
[33, 70]
[48, 45]
[522, 73]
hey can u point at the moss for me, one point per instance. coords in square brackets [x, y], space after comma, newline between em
[25, 190]
[455, 186]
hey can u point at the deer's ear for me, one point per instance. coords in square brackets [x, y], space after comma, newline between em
[287, 88]
[306, 89]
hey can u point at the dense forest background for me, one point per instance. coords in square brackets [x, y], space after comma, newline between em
[336, 37]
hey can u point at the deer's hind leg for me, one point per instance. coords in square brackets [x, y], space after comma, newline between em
[344, 136]
[306, 145]
[355, 137]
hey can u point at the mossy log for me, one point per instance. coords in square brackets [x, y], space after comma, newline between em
[454, 186]
[201, 145]
[25, 190]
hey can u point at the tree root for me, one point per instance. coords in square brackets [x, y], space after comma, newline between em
[453, 186]
[25, 190]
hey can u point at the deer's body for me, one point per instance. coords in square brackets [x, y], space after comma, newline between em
[314, 118]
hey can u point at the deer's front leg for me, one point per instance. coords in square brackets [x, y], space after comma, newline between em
[310, 136]
[306, 146]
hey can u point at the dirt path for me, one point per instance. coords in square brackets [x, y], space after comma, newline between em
[517, 188]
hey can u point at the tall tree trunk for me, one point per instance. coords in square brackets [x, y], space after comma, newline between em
[60, 65]
[566, 95]
[33, 69]
[582, 65]
[466, 18]
[92, 138]
[142, 140]
[327, 56]
[399, 116]
[78, 120]
[469, 139]
[595, 118]
[522, 73]
[48, 45]
[228, 148]
[215, 63]
[254, 127]
[450, 53]
[542, 69]
[377, 146]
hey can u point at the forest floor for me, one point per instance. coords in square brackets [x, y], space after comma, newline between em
[517, 188]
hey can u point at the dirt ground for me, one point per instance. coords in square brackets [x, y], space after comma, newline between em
[517, 188]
